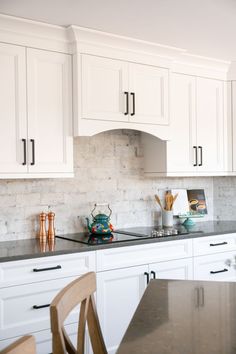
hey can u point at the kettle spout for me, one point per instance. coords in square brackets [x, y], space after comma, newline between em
[88, 224]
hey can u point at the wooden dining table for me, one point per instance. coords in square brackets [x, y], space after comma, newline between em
[183, 317]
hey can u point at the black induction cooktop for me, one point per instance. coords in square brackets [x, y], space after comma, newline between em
[124, 235]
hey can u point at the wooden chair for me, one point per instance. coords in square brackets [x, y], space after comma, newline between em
[24, 345]
[80, 291]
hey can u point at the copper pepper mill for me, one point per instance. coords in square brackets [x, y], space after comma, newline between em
[42, 229]
[51, 229]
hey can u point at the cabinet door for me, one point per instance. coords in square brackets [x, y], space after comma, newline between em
[13, 124]
[118, 294]
[234, 122]
[181, 150]
[177, 269]
[49, 79]
[210, 125]
[104, 83]
[210, 315]
[148, 94]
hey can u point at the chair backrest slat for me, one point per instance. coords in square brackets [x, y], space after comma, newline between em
[94, 328]
[82, 324]
[68, 344]
[80, 291]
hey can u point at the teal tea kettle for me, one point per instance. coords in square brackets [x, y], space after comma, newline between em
[101, 222]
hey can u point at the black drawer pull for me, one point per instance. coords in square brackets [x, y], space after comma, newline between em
[147, 275]
[24, 147]
[196, 160]
[127, 103]
[37, 307]
[33, 152]
[201, 163]
[45, 269]
[219, 271]
[219, 244]
[133, 95]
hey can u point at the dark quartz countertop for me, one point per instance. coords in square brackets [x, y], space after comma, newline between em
[31, 248]
[183, 317]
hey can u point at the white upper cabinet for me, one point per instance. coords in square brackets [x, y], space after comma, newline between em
[198, 127]
[234, 123]
[13, 121]
[104, 87]
[36, 117]
[148, 86]
[120, 91]
[181, 151]
[49, 112]
[210, 125]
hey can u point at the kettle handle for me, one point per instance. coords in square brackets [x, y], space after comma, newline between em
[102, 204]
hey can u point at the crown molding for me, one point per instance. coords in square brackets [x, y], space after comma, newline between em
[34, 34]
[81, 36]
[84, 40]
[75, 39]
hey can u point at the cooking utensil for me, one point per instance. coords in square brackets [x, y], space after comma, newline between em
[168, 200]
[174, 199]
[158, 201]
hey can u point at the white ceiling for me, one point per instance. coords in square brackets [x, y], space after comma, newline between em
[203, 27]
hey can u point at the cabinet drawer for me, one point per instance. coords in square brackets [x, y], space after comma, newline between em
[44, 339]
[214, 244]
[18, 313]
[136, 255]
[177, 269]
[40, 269]
[220, 267]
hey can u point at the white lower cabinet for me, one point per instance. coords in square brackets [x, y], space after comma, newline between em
[220, 267]
[27, 288]
[122, 276]
[26, 307]
[177, 269]
[119, 290]
[118, 294]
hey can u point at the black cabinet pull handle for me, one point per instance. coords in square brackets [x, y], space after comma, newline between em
[127, 103]
[201, 163]
[195, 149]
[219, 271]
[219, 244]
[37, 307]
[147, 275]
[154, 274]
[24, 147]
[45, 269]
[33, 152]
[132, 94]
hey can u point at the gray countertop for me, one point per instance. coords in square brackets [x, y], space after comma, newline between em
[171, 319]
[32, 248]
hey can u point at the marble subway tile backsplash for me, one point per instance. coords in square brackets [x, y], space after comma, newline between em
[224, 198]
[108, 168]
